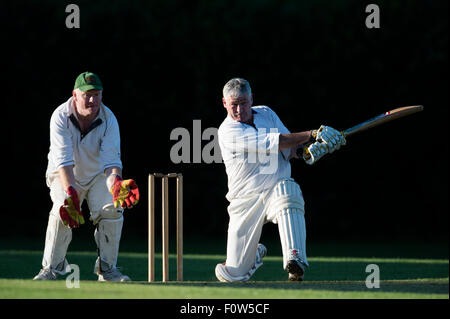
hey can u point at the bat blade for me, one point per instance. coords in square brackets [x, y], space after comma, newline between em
[383, 118]
[375, 121]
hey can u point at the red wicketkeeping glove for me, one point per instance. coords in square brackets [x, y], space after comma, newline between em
[125, 192]
[70, 212]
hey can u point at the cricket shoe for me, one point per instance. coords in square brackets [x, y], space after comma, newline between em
[295, 266]
[295, 271]
[261, 252]
[113, 274]
[51, 273]
[108, 273]
[46, 274]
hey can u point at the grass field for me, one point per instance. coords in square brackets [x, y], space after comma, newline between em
[406, 272]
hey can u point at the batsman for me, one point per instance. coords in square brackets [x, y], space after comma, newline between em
[84, 163]
[256, 148]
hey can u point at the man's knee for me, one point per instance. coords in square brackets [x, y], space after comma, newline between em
[286, 197]
[224, 273]
[107, 236]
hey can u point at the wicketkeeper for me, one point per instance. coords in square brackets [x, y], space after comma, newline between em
[256, 148]
[84, 164]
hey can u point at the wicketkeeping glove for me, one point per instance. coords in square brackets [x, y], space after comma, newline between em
[70, 212]
[125, 192]
[331, 137]
[314, 152]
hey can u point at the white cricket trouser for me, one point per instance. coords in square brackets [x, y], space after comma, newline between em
[102, 212]
[283, 205]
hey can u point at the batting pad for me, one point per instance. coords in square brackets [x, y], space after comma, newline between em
[292, 229]
[107, 236]
[57, 241]
[286, 194]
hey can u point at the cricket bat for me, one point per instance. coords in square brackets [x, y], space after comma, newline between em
[375, 121]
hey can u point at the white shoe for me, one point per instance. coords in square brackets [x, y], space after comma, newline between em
[109, 273]
[261, 252]
[113, 274]
[46, 274]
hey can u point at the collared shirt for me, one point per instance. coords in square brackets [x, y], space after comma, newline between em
[251, 154]
[90, 153]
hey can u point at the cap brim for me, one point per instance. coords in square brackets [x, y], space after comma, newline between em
[88, 87]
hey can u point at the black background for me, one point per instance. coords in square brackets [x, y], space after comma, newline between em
[164, 63]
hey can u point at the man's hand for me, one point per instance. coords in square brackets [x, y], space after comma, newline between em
[70, 212]
[331, 137]
[314, 152]
[125, 192]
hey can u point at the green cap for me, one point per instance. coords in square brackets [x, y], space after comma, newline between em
[88, 81]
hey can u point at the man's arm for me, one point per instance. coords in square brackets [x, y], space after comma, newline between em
[113, 170]
[293, 140]
[111, 173]
[66, 177]
[70, 211]
[125, 192]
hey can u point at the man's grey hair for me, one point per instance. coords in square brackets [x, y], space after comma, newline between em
[236, 87]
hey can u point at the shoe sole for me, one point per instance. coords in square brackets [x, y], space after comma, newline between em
[294, 269]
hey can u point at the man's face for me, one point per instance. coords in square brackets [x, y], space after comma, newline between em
[87, 103]
[239, 107]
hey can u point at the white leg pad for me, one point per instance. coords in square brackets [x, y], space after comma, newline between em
[57, 241]
[286, 194]
[292, 229]
[107, 236]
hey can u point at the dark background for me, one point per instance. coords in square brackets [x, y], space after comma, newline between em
[164, 63]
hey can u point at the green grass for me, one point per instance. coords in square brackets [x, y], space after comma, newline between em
[400, 289]
[330, 277]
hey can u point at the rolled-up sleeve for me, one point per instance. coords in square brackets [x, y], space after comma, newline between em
[110, 145]
[61, 145]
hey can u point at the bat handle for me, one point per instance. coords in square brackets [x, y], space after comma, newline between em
[302, 150]
[304, 147]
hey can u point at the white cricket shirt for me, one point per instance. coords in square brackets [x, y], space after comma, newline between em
[90, 153]
[251, 155]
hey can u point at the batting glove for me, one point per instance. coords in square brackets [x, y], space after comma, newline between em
[70, 212]
[314, 152]
[125, 192]
[331, 137]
